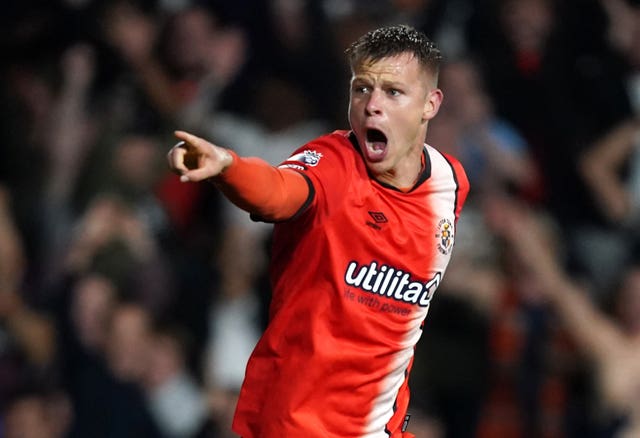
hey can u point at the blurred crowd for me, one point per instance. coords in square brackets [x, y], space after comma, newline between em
[130, 302]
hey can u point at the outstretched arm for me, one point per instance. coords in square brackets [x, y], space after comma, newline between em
[252, 184]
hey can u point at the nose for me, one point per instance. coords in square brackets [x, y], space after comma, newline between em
[373, 105]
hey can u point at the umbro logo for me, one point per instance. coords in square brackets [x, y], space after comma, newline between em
[379, 218]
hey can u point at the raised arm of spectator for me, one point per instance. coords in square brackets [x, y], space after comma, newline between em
[70, 125]
[134, 35]
[32, 332]
[600, 167]
[535, 247]
[71, 132]
[252, 184]
[216, 56]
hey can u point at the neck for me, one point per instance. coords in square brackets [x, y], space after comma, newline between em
[404, 175]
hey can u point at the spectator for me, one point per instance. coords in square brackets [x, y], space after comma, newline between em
[176, 401]
[115, 373]
[111, 239]
[607, 340]
[182, 67]
[496, 156]
[610, 165]
[28, 350]
[36, 414]
[611, 170]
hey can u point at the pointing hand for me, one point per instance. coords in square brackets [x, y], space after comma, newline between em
[195, 159]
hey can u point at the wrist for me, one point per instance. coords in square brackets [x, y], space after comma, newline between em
[228, 159]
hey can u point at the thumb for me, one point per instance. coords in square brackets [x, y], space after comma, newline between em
[196, 175]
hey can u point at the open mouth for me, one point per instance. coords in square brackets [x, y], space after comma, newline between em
[376, 143]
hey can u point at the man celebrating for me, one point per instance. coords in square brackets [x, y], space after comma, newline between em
[364, 228]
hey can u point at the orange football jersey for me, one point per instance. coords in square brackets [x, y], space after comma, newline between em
[353, 276]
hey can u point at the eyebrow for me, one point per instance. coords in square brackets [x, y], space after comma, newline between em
[393, 84]
[384, 82]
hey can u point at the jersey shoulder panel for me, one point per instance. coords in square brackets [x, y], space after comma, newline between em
[329, 163]
[448, 169]
[333, 151]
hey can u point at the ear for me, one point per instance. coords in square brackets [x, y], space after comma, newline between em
[432, 104]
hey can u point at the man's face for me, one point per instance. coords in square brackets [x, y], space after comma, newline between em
[391, 101]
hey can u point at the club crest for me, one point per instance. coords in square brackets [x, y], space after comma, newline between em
[445, 236]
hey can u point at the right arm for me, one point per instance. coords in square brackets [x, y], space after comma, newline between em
[252, 184]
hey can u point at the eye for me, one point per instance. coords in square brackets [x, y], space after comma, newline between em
[360, 89]
[394, 92]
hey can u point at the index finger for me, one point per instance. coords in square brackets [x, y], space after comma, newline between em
[191, 140]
